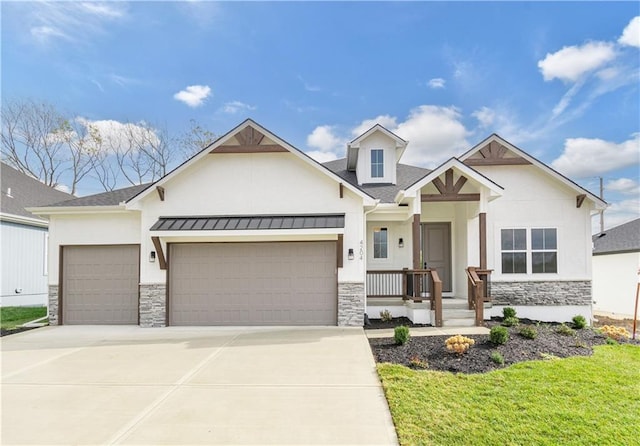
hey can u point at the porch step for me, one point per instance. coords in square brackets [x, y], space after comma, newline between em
[454, 304]
[466, 322]
[458, 314]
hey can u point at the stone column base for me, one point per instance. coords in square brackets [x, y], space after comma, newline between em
[53, 305]
[574, 292]
[153, 305]
[351, 303]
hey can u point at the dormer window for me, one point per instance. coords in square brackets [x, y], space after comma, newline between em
[377, 163]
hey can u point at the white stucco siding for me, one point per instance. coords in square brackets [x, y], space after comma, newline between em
[90, 229]
[615, 279]
[253, 184]
[376, 140]
[397, 257]
[533, 199]
[23, 272]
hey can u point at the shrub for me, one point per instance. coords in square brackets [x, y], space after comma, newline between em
[497, 358]
[579, 322]
[617, 333]
[565, 330]
[610, 341]
[498, 335]
[386, 316]
[401, 334]
[510, 321]
[508, 312]
[528, 332]
[459, 344]
[418, 363]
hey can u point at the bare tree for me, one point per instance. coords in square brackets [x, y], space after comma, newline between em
[30, 142]
[194, 140]
[84, 144]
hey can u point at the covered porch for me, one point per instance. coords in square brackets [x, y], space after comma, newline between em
[434, 269]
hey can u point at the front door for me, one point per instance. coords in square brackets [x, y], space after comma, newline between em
[436, 250]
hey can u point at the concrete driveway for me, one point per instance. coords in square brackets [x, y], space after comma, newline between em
[129, 385]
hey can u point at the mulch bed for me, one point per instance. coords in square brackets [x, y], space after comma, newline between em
[379, 324]
[477, 359]
[7, 332]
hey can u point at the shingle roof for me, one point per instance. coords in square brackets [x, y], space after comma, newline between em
[111, 198]
[249, 222]
[406, 176]
[623, 238]
[25, 192]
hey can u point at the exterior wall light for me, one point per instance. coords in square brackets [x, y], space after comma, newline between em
[152, 256]
[400, 243]
[350, 254]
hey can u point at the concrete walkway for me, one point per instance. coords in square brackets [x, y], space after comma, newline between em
[430, 331]
[128, 385]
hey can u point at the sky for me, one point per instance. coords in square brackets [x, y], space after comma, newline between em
[559, 80]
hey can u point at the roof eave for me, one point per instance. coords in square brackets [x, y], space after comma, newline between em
[57, 210]
[20, 219]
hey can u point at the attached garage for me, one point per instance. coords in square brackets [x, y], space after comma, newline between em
[100, 284]
[271, 283]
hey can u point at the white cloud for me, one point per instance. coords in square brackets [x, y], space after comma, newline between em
[436, 82]
[631, 34]
[324, 139]
[572, 62]
[322, 157]
[116, 135]
[626, 186]
[584, 157]
[193, 95]
[386, 121]
[485, 116]
[236, 106]
[75, 22]
[617, 213]
[564, 102]
[63, 188]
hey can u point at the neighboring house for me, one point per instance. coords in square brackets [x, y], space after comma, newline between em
[616, 264]
[252, 231]
[23, 238]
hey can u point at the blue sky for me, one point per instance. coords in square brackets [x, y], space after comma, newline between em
[559, 80]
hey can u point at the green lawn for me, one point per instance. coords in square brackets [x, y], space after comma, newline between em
[573, 401]
[11, 317]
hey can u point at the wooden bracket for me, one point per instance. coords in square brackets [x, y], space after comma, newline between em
[160, 190]
[580, 199]
[341, 190]
[159, 253]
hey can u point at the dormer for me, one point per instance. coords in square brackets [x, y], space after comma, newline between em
[374, 155]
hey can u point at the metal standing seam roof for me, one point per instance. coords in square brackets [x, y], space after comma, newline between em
[248, 222]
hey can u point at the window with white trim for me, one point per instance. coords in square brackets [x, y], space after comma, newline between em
[377, 163]
[380, 238]
[544, 250]
[514, 251]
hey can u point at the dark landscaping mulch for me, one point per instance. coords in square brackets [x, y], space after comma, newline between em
[377, 324]
[432, 349]
[7, 332]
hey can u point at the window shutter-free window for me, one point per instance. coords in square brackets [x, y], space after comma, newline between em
[514, 251]
[377, 163]
[544, 250]
[380, 243]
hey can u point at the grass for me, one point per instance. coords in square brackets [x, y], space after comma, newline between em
[573, 401]
[11, 317]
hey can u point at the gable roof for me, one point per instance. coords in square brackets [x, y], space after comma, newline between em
[469, 173]
[622, 238]
[354, 145]
[386, 193]
[226, 138]
[25, 192]
[110, 198]
[599, 203]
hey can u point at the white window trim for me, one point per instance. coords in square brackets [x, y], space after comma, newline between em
[371, 164]
[529, 251]
[373, 243]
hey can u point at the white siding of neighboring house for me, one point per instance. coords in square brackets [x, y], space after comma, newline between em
[253, 184]
[532, 199]
[615, 280]
[23, 265]
[90, 229]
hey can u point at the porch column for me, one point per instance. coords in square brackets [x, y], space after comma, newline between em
[483, 239]
[415, 229]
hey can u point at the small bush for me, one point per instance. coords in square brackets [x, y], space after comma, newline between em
[579, 322]
[498, 335]
[510, 321]
[459, 344]
[508, 312]
[401, 334]
[610, 341]
[565, 330]
[386, 316]
[418, 363]
[528, 332]
[497, 358]
[617, 333]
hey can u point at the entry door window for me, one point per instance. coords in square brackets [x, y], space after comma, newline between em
[380, 247]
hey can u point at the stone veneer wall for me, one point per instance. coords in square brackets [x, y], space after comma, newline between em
[153, 305]
[53, 304]
[541, 293]
[351, 304]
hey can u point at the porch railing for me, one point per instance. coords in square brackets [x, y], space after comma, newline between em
[409, 284]
[478, 291]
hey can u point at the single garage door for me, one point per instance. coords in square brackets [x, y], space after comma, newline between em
[100, 284]
[283, 283]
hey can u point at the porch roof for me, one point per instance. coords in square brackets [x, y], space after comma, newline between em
[248, 222]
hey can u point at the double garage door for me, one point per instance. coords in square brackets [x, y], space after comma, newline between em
[283, 283]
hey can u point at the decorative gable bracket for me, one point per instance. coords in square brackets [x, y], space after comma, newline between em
[249, 141]
[448, 190]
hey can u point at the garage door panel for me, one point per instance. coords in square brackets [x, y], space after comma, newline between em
[100, 284]
[286, 283]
